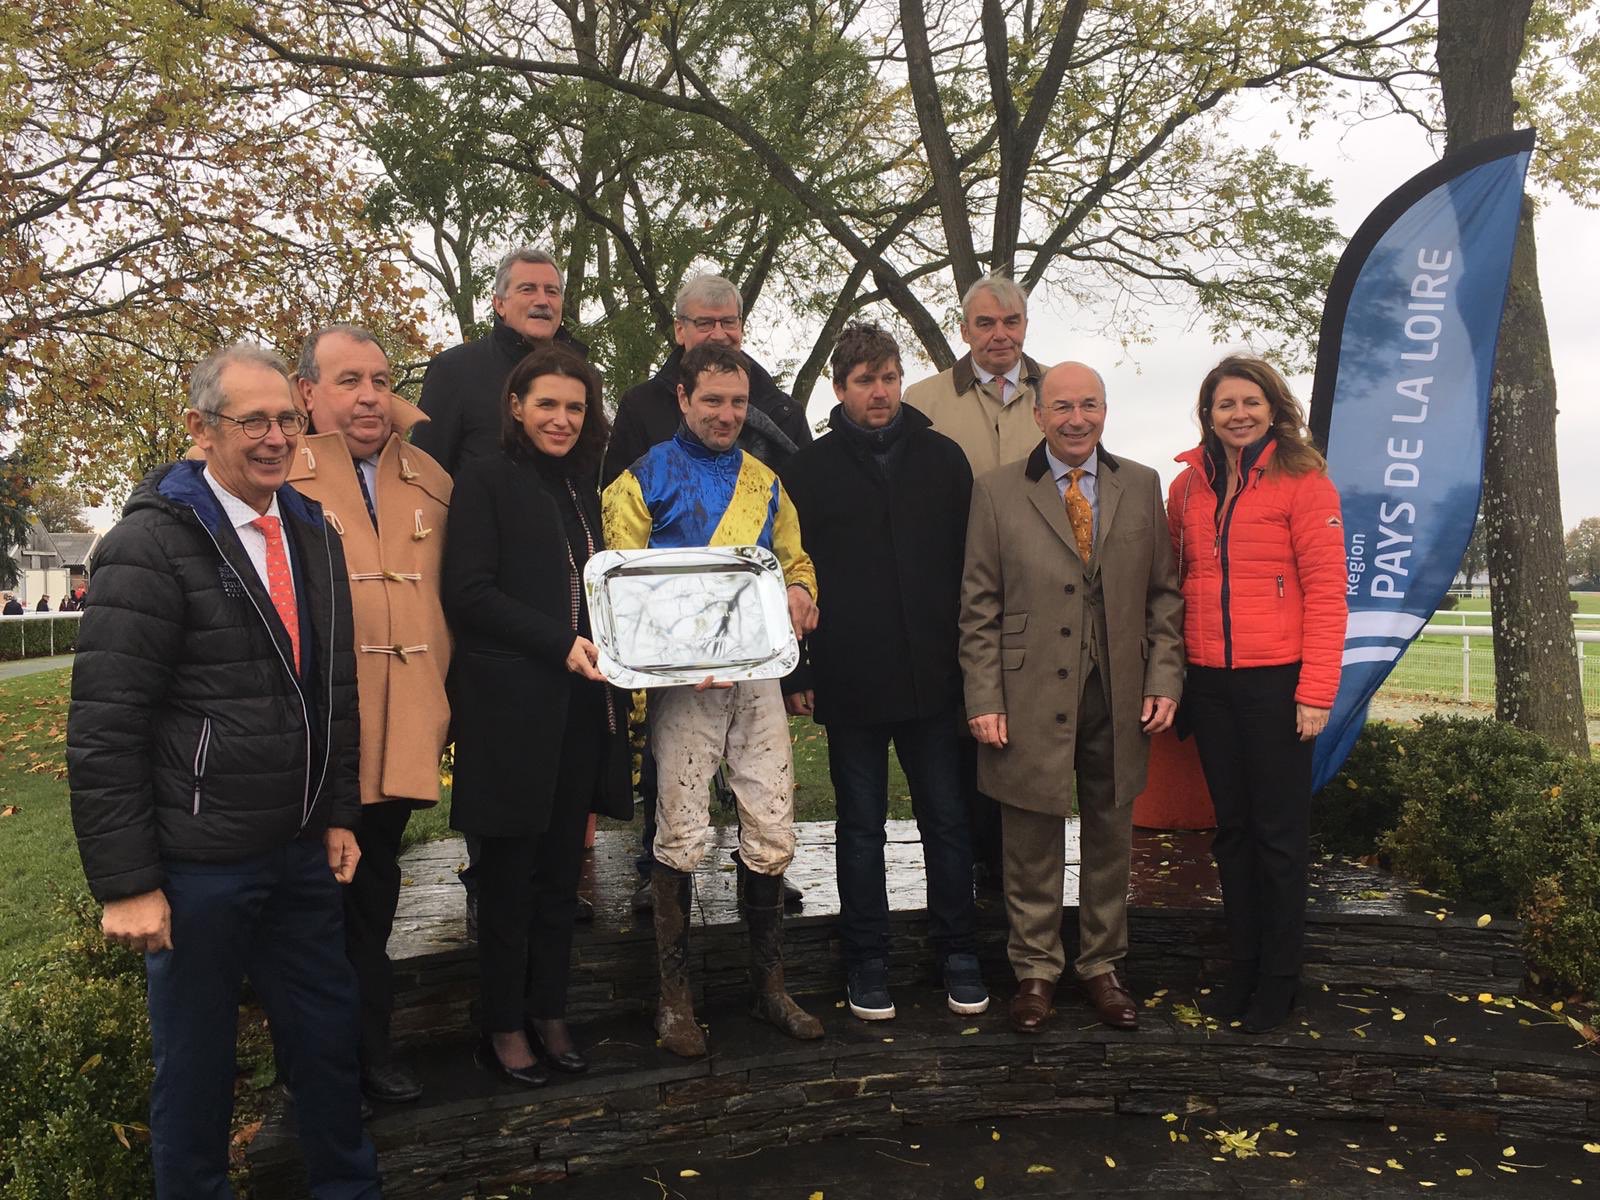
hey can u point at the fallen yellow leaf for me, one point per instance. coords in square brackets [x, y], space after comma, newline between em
[1169, 1117]
[1111, 1162]
[1430, 1039]
[994, 1135]
[1485, 998]
[688, 1173]
[978, 1183]
[1509, 1152]
[1463, 1172]
[1484, 920]
[1040, 1169]
[1394, 1164]
[1426, 1183]
[969, 1031]
[1592, 1147]
[815, 1196]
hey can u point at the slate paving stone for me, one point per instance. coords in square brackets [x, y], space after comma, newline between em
[1068, 1156]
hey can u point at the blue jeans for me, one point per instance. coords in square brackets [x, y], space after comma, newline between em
[858, 762]
[278, 920]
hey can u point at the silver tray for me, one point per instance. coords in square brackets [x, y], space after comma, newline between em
[664, 618]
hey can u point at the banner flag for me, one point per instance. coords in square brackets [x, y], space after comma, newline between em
[1401, 402]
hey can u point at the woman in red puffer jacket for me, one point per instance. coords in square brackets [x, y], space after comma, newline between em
[1260, 547]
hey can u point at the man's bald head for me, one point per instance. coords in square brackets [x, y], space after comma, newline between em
[1070, 409]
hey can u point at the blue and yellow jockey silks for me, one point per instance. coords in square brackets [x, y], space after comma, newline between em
[682, 493]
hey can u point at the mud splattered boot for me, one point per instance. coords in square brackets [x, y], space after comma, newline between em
[675, 1021]
[772, 1004]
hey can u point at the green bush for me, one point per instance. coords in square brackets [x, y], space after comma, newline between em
[1455, 776]
[1361, 803]
[1486, 813]
[75, 1073]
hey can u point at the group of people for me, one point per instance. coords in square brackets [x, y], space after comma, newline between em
[289, 626]
[10, 606]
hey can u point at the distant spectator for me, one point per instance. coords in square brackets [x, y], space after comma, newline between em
[13, 608]
[43, 605]
[67, 605]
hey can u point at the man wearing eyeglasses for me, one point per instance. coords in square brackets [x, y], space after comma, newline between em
[708, 308]
[1071, 657]
[388, 501]
[464, 386]
[211, 755]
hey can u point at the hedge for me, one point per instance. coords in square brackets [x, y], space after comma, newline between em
[1486, 813]
[37, 636]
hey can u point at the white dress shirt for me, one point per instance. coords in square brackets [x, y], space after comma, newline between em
[240, 515]
[1012, 377]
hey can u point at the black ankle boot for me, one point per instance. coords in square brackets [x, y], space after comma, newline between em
[1272, 1003]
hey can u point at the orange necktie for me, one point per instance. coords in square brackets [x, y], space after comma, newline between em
[1080, 514]
[280, 584]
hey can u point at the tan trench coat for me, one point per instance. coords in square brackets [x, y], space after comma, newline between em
[402, 643]
[1025, 611]
[969, 413]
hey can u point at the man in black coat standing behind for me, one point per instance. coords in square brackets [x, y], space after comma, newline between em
[462, 391]
[883, 505]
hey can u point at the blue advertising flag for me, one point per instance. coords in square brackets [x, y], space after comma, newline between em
[1401, 402]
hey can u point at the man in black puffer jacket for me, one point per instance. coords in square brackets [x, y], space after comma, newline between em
[212, 757]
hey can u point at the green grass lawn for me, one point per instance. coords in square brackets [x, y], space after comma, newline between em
[38, 857]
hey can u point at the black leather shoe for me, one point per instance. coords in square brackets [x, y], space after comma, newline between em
[792, 896]
[585, 911]
[570, 1063]
[390, 1083]
[527, 1077]
[1274, 1000]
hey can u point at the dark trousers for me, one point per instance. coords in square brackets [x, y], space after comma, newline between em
[528, 886]
[369, 904]
[983, 813]
[276, 919]
[1259, 773]
[647, 801]
[858, 763]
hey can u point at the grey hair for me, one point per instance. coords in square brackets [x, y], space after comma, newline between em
[1004, 289]
[707, 291]
[307, 368]
[524, 254]
[205, 383]
[1038, 392]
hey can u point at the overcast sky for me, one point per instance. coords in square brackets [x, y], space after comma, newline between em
[1152, 388]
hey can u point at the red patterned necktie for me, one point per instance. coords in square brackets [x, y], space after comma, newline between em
[280, 585]
[1080, 514]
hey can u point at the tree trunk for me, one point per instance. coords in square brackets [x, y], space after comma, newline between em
[1536, 672]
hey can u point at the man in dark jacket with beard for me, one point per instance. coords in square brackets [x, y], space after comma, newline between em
[708, 308]
[462, 391]
[883, 505]
[212, 758]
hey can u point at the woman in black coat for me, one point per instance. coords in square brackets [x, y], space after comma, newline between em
[541, 739]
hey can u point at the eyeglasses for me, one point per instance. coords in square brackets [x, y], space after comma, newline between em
[1089, 408]
[293, 424]
[707, 324]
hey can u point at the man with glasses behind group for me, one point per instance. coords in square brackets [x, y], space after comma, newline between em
[211, 755]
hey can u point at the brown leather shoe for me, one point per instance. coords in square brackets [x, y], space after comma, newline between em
[1112, 1001]
[1031, 1005]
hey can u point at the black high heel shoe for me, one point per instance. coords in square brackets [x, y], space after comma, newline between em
[570, 1063]
[1271, 1005]
[527, 1077]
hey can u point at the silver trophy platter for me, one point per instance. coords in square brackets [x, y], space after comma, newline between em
[665, 618]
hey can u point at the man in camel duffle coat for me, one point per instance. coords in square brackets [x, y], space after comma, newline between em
[394, 547]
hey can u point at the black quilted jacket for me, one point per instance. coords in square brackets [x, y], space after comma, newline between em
[190, 735]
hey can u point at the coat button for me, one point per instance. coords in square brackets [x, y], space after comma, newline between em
[1070, 588]
[1061, 673]
[1066, 632]
[1061, 718]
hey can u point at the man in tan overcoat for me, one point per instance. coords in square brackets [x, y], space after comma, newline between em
[388, 501]
[1071, 656]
